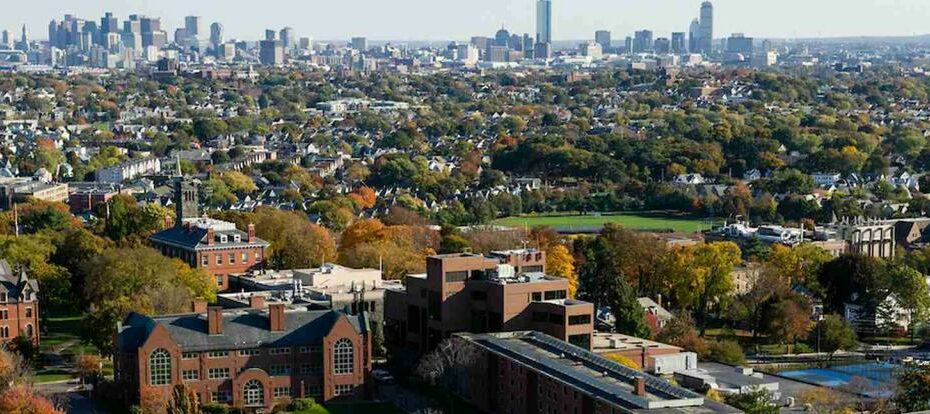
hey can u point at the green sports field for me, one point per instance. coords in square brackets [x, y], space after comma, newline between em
[655, 221]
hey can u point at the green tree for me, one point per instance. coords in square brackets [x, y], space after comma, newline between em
[913, 391]
[630, 319]
[757, 401]
[833, 334]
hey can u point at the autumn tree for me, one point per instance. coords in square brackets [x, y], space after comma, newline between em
[88, 366]
[21, 399]
[797, 265]
[238, 182]
[788, 320]
[700, 276]
[363, 197]
[913, 391]
[369, 243]
[183, 401]
[833, 334]
[139, 280]
[561, 263]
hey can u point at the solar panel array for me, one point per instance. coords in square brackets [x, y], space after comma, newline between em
[655, 385]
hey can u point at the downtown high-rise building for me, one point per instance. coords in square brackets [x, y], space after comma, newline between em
[694, 32]
[6, 40]
[288, 38]
[679, 45]
[271, 52]
[216, 34]
[194, 27]
[360, 43]
[642, 41]
[544, 21]
[706, 32]
[602, 37]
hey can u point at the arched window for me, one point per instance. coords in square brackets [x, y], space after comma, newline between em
[28, 330]
[160, 367]
[253, 393]
[343, 357]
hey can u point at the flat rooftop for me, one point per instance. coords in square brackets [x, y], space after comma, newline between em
[593, 375]
[605, 342]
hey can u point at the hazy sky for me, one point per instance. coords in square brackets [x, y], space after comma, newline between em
[460, 19]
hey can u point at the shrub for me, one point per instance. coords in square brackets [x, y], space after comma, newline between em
[622, 360]
[727, 352]
[802, 348]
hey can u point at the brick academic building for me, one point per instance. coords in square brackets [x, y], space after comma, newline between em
[504, 291]
[19, 305]
[213, 245]
[245, 358]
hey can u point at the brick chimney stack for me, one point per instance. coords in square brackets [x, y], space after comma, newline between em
[215, 320]
[199, 306]
[211, 235]
[639, 384]
[256, 302]
[252, 237]
[276, 317]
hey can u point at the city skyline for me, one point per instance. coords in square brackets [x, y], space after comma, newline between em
[570, 21]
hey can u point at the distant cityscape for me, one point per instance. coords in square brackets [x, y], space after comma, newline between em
[140, 41]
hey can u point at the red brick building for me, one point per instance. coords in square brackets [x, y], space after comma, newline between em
[246, 358]
[505, 291]
[213, 245]
[19, 305]
[83, 200]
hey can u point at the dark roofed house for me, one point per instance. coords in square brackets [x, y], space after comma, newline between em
[19, 304]
[246, 358]
[213, 245]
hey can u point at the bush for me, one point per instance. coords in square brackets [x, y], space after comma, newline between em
[802, 348]
[214, 409]
[622, 360]
[727, 352]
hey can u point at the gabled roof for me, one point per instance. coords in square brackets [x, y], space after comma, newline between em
[14, 284]
[241, 329]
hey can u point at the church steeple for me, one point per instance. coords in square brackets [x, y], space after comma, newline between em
[185, 199]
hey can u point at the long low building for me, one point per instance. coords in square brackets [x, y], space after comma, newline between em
[533, 372]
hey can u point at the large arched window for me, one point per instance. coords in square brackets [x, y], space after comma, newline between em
[253, 393]
[160, 367]
[343, 357]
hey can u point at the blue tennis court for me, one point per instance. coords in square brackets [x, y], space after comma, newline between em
[878, 376]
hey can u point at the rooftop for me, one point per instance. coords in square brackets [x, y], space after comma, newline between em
[591, 374]
[604, 342]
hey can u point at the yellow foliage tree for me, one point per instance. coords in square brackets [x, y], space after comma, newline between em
[560, 263]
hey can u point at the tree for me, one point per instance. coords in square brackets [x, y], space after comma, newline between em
[853, 278]
[126, 222]
[364, 197]
[727, 352]
[799, 264]
[701, 275]
[913, 392]
[14, 369]
[447, 365]
[183, 401]
[630, 319]
[909, 289]
[139, 280]
[88, 366]
[788, 320]
[756, 401]
[561, 263]
[238, 182]
[303, 247]
[21, 399]
[822, 400]
[833, 334]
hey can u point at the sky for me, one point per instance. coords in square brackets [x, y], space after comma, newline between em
[461, 19]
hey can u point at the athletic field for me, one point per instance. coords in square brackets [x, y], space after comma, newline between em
[653, 221]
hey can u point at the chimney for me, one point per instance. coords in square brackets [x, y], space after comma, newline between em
[215, 320]
[252, 237]
[256, 302]
[276, 317]
[639, 383]
[199, 306]
[210, 236]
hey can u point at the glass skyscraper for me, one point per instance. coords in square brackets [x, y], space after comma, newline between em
[706, 34]
[544, 21]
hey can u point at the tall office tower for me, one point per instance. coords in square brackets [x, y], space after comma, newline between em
[133, 25]
[543, 51]
[6, 40]
[360, 43]
[53, 33]
[739, 43]
[271, 53]
[678, 43]
[662, 45]
[628, 45]
[694, 32]
[516, 42]
[109, 24]
[544, 21]
[181, 37]
[306, 43]
[642, 41]
[502, 38]
[288, 38]
[706, 32]
[24, 42]
[271, 34]
[194, 27]
[216, 34]
[152, 35]
[528, 45]
[602, 37]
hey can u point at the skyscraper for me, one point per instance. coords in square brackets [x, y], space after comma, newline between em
[602, 37]
[502, 38]
[694, 31]
[706, 38]
[271, 34]
[642, 41]
[24, 43]
[544, 21]
[6, 40]
[109, 24]
[360, 43]
[271, 53]
[288, 38]
[194, 27]
[678, 43]
[216, 34]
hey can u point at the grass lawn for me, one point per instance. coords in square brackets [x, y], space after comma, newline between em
[51, 375]
[63, 336]
[656, 221]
